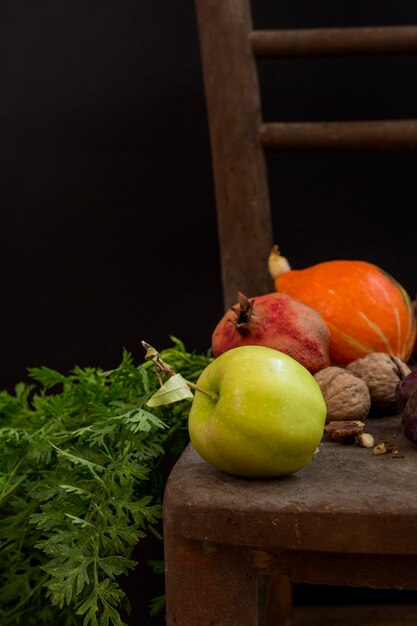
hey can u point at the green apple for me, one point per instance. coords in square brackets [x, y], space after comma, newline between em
[265, 417]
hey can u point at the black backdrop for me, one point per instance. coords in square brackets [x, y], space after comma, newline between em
[108, 229]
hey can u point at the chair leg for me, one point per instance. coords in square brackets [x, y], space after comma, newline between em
[208, 585]
[278, 604]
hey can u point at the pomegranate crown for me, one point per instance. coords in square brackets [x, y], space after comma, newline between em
[243, 311]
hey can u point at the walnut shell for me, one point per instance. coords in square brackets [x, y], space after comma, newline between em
[382, 373]
[344, 431]
[346, 396]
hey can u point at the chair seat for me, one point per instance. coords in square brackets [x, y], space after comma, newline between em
[347, 518]
[334, 504]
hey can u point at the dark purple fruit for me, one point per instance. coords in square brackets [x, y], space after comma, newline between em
[409, 418]
[404, 389]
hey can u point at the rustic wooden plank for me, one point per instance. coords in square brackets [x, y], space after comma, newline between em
[353, 570]
[240, 175]
[346, 500]
[320, 42]
[377, 571]
[388, 615]
[362, 135]
[208, 584]
[278, 608]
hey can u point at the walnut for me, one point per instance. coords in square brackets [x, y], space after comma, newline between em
[344, 431]
[346, 396]
[382, 373]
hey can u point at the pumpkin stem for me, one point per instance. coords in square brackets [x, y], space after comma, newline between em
[277, 264]
[243, 311]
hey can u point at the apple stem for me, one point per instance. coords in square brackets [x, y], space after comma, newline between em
[211, 394]
[163, 368]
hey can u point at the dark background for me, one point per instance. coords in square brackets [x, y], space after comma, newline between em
[108, 230]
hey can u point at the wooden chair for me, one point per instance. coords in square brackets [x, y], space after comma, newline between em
[349, 518]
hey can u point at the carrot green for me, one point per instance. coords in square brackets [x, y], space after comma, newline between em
[80, 486]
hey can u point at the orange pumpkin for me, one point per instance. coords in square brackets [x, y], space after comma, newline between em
[365, 309]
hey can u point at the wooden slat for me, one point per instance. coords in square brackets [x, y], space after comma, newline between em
[240, 173]
[390, 615]
[364, 135]
[320, 42]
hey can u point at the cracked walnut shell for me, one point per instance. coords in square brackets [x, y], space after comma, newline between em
[344, 431]
[382, 373]
[346, 396]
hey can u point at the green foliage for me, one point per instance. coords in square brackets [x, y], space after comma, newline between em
[80, 486]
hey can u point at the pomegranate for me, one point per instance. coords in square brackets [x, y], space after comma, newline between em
[277, 321]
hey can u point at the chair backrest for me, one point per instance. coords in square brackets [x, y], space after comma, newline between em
[230, 48]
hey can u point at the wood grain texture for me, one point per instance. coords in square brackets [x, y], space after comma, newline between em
[346, 500]
[240, 175]
[401, 615]
[362, 135]
[208, 585]
[348, 518]
[324, 42]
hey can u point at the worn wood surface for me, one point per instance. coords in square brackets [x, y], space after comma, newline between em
[355, 616]
[320, 42]
[363, 135]
[346, 500]
[278, 607]
[240, 175]
[208, 584]
[348, 518]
